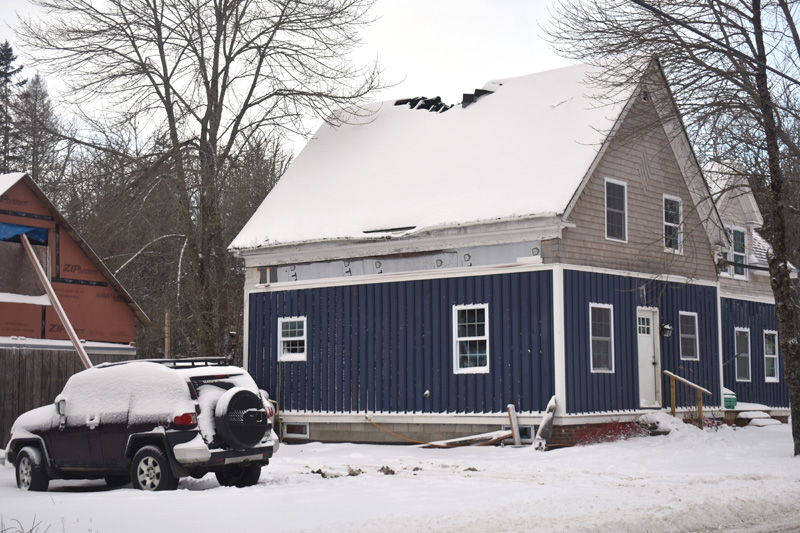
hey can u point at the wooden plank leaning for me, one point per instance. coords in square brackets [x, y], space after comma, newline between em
[56, 303]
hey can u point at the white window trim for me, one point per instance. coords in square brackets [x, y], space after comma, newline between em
[679, 249]
[304, 338]
[777, 378]
[605, 209]
[456, 338]
[731, 268]
[749, 357]
[593, 305]
[696, 336]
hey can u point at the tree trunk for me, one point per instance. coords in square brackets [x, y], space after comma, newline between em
[782, 286]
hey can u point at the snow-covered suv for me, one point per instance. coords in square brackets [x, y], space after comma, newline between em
[148, 422]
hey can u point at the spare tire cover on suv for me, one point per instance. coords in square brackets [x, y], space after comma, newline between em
[240, 418]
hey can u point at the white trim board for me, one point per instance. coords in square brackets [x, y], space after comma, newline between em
[738, 296]
[527, 418]
[460, 272]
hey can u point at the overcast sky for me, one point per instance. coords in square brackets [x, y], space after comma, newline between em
[429, 47]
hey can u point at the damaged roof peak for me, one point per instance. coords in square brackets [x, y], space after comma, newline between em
[434, 105]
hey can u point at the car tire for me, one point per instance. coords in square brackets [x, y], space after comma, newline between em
[240, 418]
[150, 470]
[239, 476]
[117, 481]
[31, 474]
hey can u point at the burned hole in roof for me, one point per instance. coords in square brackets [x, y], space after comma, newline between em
[468, 99]
[434, 105]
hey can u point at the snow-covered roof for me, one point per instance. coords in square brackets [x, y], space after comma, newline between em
[521, 151]
[7, 180]
[761, 249]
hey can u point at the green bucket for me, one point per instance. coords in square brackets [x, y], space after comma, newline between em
[730, 400]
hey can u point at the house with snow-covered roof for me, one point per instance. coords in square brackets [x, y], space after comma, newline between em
[423, 266]
[751, 363]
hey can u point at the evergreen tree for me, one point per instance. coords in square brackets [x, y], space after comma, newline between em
[37, 127]
[9, 82]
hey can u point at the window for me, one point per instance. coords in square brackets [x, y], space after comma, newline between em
[601, 317]
[742, 345]
[295, 430]
[770, 356]
[644, 325]
[673, 237]
[688, 332]
[738, 253]
[616, 207]
[471, 339]
[292, 339]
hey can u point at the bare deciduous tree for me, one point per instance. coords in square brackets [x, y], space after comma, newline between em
[729, 84]
[206, 78]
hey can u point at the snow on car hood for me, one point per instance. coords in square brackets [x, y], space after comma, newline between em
[39, 419]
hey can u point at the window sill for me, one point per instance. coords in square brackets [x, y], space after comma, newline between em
[291, 358]
[480, 370]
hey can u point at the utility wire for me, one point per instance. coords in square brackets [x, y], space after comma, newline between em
[734, 51]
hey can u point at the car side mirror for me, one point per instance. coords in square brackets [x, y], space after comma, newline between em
[61, 406]
[61, 409]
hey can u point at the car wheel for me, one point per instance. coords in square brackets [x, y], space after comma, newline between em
[117, 481]
[240, 418]
[239, 476]
[31, 474]
[150, 470]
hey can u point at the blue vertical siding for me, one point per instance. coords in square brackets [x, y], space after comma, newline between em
[757, 317]
[379, 347]
[619, 391]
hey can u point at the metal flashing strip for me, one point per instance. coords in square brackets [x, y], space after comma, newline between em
[25, 215]
[80, 282]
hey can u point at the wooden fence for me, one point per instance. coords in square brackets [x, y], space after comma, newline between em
[31, 377]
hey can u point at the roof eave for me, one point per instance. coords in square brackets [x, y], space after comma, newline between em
[501, 231]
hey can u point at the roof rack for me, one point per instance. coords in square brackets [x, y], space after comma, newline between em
[188, 362]
[191, 361]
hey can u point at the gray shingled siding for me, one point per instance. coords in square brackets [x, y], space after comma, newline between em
[644, 160]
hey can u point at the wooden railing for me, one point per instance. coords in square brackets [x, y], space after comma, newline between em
[700, 391]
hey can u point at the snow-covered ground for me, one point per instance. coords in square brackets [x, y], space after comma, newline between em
[691, 480]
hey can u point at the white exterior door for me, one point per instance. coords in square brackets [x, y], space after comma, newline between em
[649, 357]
